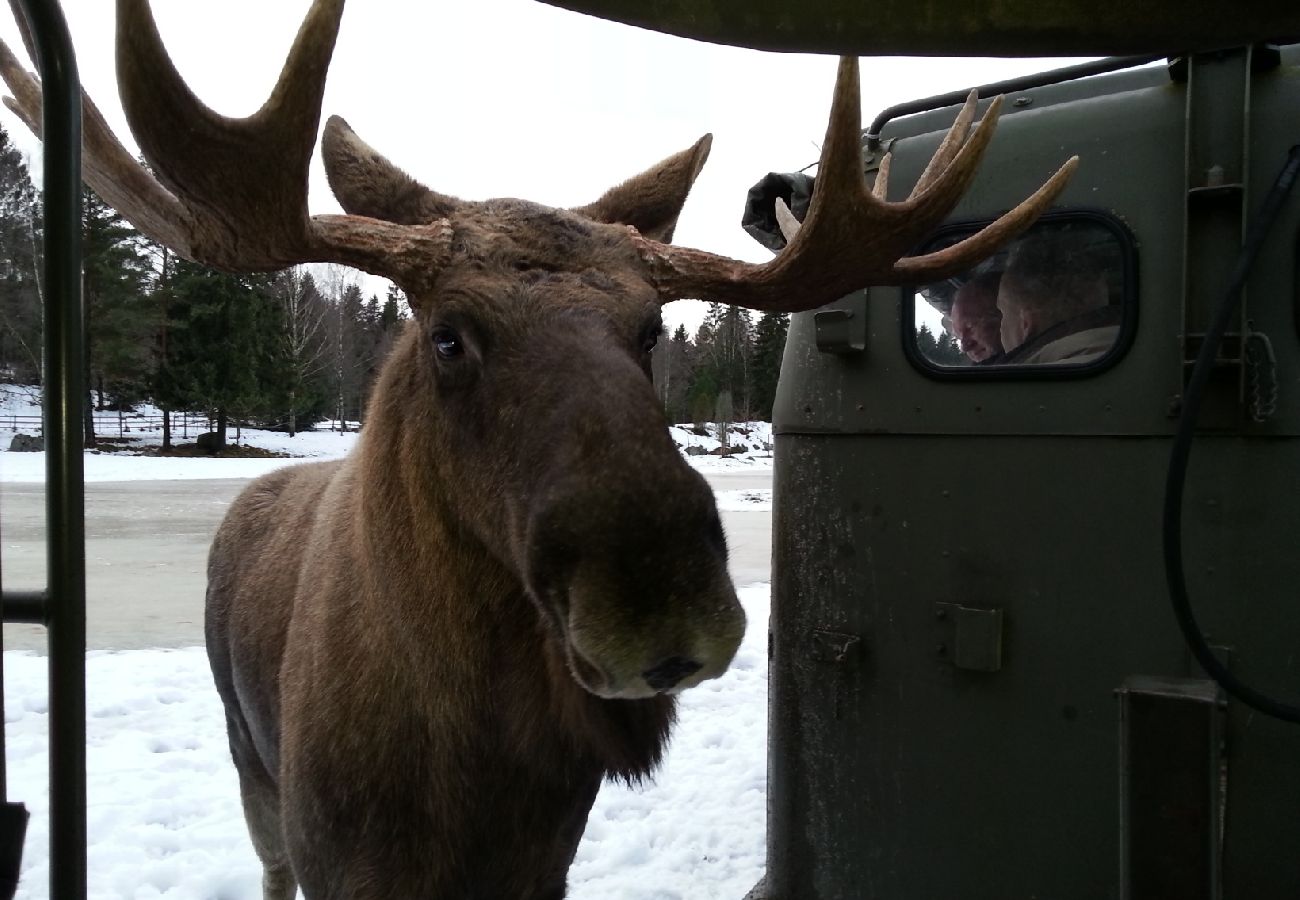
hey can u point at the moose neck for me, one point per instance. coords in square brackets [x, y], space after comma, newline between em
[408, 520]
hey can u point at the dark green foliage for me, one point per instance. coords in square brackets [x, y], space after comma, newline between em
[20, 289]
[703, 395]
[274, 350]
[690, 376]
[222, 353]
[723, 345]
[769, 348]
[121, 319]
[354, 323]
[942, 350]
[361, 332]
[391, 314]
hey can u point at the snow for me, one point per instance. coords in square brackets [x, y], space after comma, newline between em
[20, 409]
[744, 501]
[164, 815]
[164, 818]
[751, 444]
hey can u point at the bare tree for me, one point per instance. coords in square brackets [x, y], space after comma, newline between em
[724, 413]
[302, 338]
[335, 280]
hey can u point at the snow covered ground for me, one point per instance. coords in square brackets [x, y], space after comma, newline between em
[165, 820]
[164, 814]
[19, 408]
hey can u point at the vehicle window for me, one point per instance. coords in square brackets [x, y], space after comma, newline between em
[1058, 296]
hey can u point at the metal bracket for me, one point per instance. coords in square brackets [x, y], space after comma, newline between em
[1261, 377]
[837, 332]
[833, 646]
[973, 639]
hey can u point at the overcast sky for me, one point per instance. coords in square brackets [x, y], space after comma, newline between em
[493, 98]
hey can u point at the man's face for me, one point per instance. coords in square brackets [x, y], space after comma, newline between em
[976, 321]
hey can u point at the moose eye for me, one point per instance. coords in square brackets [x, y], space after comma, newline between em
[447, 343]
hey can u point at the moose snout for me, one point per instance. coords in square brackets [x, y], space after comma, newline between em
[634, 581]
[668, 673]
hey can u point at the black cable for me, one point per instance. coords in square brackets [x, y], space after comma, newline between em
[1173, 513]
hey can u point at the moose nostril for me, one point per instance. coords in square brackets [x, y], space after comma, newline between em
[667, 673]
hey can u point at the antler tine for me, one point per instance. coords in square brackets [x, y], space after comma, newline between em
[106, 165]
[240, 170]
[880, 189]
[964, 253]
[231, 193]
[785, 220]
[952, 142]
[852, 237]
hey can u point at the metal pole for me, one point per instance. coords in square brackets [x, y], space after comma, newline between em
[64, 475]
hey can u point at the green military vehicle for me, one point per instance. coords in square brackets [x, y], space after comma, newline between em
[1035, 608]
[978, 684]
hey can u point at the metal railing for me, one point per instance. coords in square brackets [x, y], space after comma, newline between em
[123, 424]
[61, 607]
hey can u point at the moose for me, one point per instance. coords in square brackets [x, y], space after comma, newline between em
[433, 652]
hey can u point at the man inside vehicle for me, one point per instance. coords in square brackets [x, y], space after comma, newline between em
[975, 319]
[1055, 302]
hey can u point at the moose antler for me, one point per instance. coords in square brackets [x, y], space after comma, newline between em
[852, 236]
[230, 193]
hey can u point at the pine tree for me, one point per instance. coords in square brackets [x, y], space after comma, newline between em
[120, 318]
[769, 348]
[222, 342]
[384, 330]
[925, 341]
[942, 350]
[391, 315]
[722, 358]
[21, 310]
[702, 395]
[949, 351]
[352, 354]
[163, 385]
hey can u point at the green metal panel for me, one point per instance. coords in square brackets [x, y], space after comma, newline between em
[897, 774]
[958, 27]
[966, 571]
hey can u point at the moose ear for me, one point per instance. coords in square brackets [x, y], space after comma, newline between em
[367, 184]
[652, 201]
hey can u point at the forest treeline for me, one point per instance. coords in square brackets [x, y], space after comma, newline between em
[285, 350]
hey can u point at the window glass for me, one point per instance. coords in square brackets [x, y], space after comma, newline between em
[1056, 296]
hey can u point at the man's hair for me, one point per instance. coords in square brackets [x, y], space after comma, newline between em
[1061, 273]
[983, 283]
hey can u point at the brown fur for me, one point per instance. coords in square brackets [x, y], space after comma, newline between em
[407, 642]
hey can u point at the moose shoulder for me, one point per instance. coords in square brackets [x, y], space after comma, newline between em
[431, 653]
